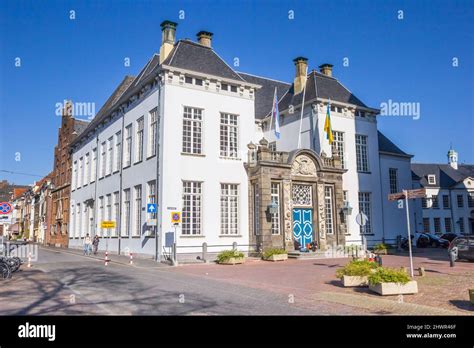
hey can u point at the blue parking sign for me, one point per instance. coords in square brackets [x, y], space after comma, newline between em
[151, 207]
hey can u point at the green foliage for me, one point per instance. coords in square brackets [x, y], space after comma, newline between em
[380, 247]
[357, 268]
[226, 255]
[389, 275]
[275, 251]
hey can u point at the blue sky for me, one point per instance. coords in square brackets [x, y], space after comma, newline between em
[408, 60]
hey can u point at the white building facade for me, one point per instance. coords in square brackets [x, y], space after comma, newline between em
[178, 136]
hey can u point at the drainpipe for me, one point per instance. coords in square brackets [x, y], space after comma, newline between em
[158, 241]
[381, 201]
[95, 182]
[119, 219]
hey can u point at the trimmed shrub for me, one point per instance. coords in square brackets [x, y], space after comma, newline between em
[226, 255]
[388, 275]
[275, 251]
[357, 268]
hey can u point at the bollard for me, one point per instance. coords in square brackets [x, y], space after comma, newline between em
[234, 246]
[29, 261]
[131, 258]
[421, 272]
[204, 252]
[452, 258]
[106, 261]
[378, 259]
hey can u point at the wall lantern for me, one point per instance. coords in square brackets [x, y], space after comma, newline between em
[272, 208]
[347, 209]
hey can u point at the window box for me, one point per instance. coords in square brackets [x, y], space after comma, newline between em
[233, 261]
[385, 289]
[277, 257]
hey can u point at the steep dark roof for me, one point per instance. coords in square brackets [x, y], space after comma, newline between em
[387, 146]
[80, 126]
[446, 176]
[320, 86]
[196, 57]
[264, 95]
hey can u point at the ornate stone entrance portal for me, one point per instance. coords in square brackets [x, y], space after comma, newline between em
[295, 198]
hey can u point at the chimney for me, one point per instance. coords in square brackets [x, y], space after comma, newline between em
[168, 35]
[453, 159]
[301, 64]
[204, 38]
[326, 69]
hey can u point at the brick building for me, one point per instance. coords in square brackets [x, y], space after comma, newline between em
[61, 178]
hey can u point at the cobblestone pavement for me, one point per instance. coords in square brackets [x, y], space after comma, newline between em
[444, 290]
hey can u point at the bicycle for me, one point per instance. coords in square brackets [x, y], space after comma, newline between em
[5, 270]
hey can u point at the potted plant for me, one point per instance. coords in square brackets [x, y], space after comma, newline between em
[471, 295]
[388, 281]
[381, 249]
[275, 254]
[230, 257]
[356, 272]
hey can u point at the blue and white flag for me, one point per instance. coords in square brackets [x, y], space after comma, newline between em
[276, 115]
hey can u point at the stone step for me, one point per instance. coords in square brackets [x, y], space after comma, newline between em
[309, 255]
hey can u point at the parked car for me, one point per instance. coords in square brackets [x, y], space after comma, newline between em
[463, 248]
[426, 240]
[449, 236]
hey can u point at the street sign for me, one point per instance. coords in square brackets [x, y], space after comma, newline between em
[151, 207]
[361, 219]
[411, 194]
[5, 208]
[169, 239]
[107, 224]
[175, 217]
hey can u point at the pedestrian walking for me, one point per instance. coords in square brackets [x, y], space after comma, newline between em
[87, 245]
[95, 243]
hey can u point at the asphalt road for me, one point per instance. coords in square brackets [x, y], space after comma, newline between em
[117, 289]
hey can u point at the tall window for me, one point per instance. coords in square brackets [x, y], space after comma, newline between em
[275, 196]
[461, 225]
[102, 159]
[392, 174]
[126, 213]
[73, 222]
[78, 220]
[460, 200]
[338, 146]
[229, 135]
[229, 209]
[138, 211]
[447, 225]
[470, 200]
[361, 153]
[153, 132]
[116, 212]
[118, 151]
[434, 202]
[127, 160]
[108, 207]
[328, 209]
[110, 155]
[366, 208]
[437, 225]
[74, 175]
[93, 164]
[424, 203]
[100, 216]
[79, 173]
[256, 209]
[139, 143]
[445, 201]
[151, 192]
[192, 207]
[86, 169]
[426, 225]
[192, 130]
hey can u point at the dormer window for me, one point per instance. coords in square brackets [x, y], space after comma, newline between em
[228, 88]
[188, 80]
[198, 82]
[193, 81]
[224, 87]
[360, 113]
[233, 88]
[431, 179]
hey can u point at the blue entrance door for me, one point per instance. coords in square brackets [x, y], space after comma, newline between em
[303, 226]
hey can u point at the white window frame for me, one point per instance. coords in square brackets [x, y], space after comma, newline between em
[339, 145]
[93, 165]
[137, 211]
[86, 169]
[126, 217]
[103, 160]
[192, 139]
[127, 153]
[229, 135]
[100, 215]
[329, 209]
[362, 153]
[151, 197]
[393, 180]
[74, 175]
[116, 211]
[80, 173]
[110, 155]
[192, 196]
[229, 209]
[365, 206]
[276, 199]
[118, 151]
[432, 179]
[152, 132]
[140, 139]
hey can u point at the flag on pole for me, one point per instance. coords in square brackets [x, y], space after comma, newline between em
[327, 124]
[276, 115]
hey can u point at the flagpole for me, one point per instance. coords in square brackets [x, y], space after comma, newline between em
[273, 110]
[302, 109]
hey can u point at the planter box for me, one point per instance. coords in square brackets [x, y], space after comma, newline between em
[471, 295]
[381, 252]
[233, 261]
[277, 257]
[395, 288]
[348, 281]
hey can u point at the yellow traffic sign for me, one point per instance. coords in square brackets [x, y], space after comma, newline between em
[107, 224]
[175, 217]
